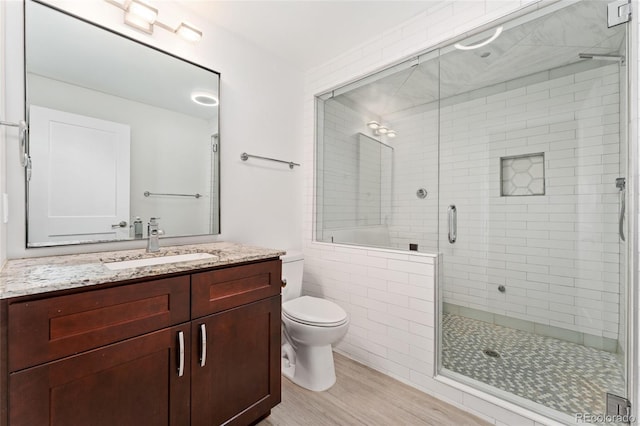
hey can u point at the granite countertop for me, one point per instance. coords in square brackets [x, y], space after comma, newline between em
[21, 277]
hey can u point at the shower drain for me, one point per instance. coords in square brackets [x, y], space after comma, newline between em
[491, 353]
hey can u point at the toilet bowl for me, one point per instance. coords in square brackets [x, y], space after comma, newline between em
[310, 325]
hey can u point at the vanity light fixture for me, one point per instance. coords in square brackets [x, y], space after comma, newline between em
[204, 98]
[495, 35]
[144, 17]
[379, 129]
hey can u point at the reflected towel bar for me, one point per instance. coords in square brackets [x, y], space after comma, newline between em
[244, 157]
[147, 194]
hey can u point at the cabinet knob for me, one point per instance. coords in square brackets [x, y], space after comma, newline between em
[284, 283]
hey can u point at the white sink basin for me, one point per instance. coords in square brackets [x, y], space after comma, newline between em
[160, 260]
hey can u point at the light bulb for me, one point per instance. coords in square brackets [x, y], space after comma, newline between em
[189, 32]
[383, 130]
[373, 125]
[391, 134]
[136, 22]
[143, 11]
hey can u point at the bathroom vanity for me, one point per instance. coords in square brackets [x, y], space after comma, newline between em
[184, 343]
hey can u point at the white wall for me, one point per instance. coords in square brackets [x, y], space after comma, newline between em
[260, 113]
[389, 294]
[3, 139]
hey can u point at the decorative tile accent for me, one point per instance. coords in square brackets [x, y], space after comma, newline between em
[522, 175]
[560, 375]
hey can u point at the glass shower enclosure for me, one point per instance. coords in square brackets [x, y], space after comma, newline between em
[509, 160]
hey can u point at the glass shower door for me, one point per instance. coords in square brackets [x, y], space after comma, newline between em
[532, 140]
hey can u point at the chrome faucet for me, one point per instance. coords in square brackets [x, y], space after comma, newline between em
[153, 245]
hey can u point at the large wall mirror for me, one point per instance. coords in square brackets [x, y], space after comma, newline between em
[117, 131]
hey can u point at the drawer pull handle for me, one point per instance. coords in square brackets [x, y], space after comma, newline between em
[180, 353]
[284, 283]
[203, 345]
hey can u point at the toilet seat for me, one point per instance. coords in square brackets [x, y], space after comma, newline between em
[314, 311]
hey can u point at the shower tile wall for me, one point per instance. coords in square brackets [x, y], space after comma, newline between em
[556, 254]
[390, 298]
[415, 220]
[340, 155]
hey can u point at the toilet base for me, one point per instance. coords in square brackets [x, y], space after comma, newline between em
[312, 368]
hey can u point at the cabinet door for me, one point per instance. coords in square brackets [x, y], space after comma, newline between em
[134, 382]
[240, 379]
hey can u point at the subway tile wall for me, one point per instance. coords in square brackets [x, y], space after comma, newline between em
[339, 186]
[387, 292]
[557, 254]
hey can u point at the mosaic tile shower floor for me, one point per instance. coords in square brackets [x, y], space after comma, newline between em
[564, 376]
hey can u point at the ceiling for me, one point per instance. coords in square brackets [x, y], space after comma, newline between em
[307, 33]
[549, 41]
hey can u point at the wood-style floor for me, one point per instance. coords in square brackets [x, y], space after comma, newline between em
[363, 396]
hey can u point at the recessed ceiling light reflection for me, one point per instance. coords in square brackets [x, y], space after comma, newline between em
[204, 98]
[495, 35]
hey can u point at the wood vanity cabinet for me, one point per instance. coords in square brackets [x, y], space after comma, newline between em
[194, 349]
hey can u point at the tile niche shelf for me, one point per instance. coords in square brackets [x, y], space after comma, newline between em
[522, 175]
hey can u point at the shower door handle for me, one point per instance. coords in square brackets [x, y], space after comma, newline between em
[621, 217]
[452, 213]
[621, 184]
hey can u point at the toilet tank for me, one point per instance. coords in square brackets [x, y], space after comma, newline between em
[292, 271]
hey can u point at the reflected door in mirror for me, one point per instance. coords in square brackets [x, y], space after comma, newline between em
[79, 188]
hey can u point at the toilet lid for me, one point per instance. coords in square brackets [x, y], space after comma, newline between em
[314, 311]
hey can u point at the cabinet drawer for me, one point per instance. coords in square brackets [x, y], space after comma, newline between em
[48, 329]
[215, 291]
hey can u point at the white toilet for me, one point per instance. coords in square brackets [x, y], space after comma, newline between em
[310, 326]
